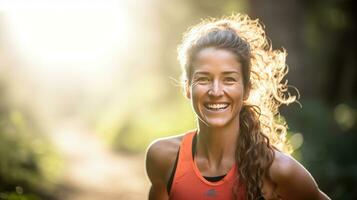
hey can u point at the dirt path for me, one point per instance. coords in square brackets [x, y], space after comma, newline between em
[93, 172]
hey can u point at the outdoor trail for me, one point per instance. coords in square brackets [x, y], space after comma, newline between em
[92, 171]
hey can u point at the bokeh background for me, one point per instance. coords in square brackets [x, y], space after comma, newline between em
[85, 86]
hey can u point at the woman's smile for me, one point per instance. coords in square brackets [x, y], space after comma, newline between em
[214, 107]
[216, 89]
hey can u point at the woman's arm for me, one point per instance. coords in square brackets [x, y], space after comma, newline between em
[154, 167]
[293, 181]
[160, 158]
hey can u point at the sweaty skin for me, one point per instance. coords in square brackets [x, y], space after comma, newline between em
[217, 79]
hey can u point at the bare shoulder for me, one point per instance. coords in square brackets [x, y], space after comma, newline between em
[284, 166]
[292, 179]
[160, 157]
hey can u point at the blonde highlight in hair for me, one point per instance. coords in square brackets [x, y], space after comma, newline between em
[261, 126]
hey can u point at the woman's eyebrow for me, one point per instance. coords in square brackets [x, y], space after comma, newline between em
[231, 72]
[201, 73]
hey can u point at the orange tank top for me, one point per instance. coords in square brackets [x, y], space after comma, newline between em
[188, 183]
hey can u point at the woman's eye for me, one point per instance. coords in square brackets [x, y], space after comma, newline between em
[230, 80]
[202, 80]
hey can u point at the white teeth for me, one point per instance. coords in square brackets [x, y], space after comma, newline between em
[217, 106]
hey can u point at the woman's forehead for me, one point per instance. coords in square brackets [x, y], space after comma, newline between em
[216, 60]
[215, 53]
[204, 70]
[215, 56]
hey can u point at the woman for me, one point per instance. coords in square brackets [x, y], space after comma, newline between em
[233, 79]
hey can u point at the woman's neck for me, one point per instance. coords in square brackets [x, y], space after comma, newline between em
[217, 144]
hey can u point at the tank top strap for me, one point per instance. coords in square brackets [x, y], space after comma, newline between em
[185, 155]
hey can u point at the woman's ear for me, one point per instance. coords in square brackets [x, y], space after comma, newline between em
[246, 92]
[187, 90]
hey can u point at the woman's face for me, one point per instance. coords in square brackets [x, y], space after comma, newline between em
[216, 88]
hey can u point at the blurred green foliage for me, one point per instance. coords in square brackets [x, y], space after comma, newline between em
[28, 162]
[132, 128]
[17, 196]
[328, 149]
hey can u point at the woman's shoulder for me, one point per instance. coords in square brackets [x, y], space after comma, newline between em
[164, 148]
[161, 155]
[291, 178]
[284, 167]
[283, 164]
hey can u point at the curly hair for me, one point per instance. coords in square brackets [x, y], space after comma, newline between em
[262, 129]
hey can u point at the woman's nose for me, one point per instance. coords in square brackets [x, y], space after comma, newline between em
[216, 89]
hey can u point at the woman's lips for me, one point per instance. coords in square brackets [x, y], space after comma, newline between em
[216, 106]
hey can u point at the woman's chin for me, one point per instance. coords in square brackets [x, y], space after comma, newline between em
[216, 123]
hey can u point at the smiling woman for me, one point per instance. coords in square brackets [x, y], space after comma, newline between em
[232, 78]
[217, 89]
